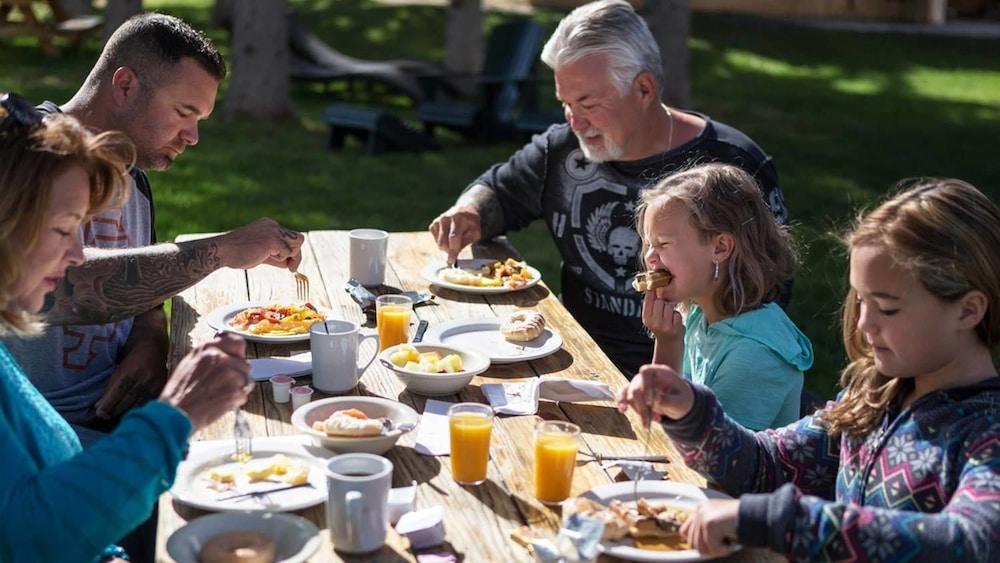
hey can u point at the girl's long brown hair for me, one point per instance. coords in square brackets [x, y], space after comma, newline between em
[30, 161]
[726, 199]
[947, 233]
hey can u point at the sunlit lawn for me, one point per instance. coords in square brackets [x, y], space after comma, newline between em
[844, 116]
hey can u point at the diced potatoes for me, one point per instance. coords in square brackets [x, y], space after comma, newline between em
[451, 363]
[403, 354]
[222, 475]
[432, 362]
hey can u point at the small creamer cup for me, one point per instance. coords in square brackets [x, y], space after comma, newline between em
[301, 395]
[281, 386]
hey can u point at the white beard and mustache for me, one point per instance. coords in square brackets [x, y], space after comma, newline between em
[609, 151]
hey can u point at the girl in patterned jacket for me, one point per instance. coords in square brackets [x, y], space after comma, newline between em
[905, 465]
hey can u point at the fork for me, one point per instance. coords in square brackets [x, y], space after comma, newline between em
[301, 286]
[243, 436]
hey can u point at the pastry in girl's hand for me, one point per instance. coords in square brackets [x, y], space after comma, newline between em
[523, 326]
[648, 281]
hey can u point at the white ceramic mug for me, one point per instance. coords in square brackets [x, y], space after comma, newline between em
[368, 256]
[358, 488]
[335, 345]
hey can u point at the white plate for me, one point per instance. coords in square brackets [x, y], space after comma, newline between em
[679, 494]
[294, 537]
[219, 320]
[432, 273]
[191, 486]
[483, 336]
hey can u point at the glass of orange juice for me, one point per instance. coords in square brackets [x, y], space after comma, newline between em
[392, 318]
[556, 443]
[470, 426]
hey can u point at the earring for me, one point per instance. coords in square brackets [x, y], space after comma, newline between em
[716, 275]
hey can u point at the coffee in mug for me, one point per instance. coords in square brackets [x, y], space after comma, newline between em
[356, 509]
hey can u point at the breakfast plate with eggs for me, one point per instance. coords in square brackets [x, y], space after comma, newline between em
[273, 323]
[484, 276]
[282, 475]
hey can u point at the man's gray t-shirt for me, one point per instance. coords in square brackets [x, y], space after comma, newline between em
[71, 365]
[589, 209]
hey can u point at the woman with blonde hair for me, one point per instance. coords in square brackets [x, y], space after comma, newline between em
[61, 503]
[905, 465]
[708, 231]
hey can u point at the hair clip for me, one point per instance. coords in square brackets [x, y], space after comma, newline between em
[19, 112]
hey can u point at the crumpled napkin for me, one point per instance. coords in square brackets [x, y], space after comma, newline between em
[636, 470]
[522, 398]
[578, 541]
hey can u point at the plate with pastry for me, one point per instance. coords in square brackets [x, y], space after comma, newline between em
[246, 537]
[267, 322]
[518, 337]
[647, 529]
[355, 424]
[282, 475]
[483, 275]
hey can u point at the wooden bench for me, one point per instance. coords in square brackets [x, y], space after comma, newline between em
[28, 18]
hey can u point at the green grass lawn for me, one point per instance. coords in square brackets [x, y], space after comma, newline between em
[844, 116]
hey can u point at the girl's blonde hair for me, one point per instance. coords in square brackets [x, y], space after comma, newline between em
[947, 233]
[31, 158]
[726, 199]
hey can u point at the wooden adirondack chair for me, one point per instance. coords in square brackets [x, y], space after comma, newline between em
[503, 89]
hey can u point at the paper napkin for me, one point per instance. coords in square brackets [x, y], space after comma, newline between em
[636, 470]
[522, 397]
[262, 369]
[432, 432]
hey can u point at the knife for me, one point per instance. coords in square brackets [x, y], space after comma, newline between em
[421, 329]
[262, 493]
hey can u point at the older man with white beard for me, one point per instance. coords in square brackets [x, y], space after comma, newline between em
[584, 177]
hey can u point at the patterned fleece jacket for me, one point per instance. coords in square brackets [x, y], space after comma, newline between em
[924, 486]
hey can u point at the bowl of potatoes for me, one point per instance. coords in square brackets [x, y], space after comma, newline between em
[433, 369]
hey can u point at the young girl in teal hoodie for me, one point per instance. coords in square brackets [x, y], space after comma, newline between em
[716, 321]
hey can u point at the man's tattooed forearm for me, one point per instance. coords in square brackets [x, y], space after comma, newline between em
[113, 285]
[485, 200]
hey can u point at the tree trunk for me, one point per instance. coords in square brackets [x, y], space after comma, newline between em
[464, 37]
[259, 84]
[116, 13]
[222, 14]
[670, 22]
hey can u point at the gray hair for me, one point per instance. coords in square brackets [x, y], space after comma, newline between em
[612, 28]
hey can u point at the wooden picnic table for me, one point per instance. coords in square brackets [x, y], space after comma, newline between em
[478, 520]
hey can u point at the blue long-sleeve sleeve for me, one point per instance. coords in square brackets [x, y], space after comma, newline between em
[63, 504]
